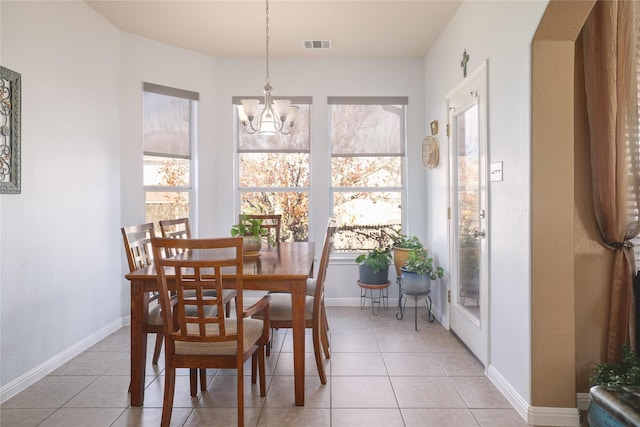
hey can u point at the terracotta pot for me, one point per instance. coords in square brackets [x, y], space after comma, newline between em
[400, 255]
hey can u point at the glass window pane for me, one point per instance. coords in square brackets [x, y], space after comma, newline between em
[163, 171]
[370, 129]
[366, 171]
[374, 210]
[274, 170]
[166, 125]
[293, 206]
[166, 205]
[297, 140]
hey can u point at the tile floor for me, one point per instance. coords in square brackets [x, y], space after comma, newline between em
[381, 373]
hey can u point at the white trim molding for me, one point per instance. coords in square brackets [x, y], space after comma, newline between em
[539, 416]
[44, 369]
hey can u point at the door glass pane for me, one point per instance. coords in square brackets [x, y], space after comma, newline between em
[468, 211]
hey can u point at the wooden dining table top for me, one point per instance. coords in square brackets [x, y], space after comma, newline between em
[285, 261]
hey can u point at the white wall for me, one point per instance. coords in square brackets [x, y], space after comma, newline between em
[500, 32]
[145, 60]
[60, 245]
[318, 78]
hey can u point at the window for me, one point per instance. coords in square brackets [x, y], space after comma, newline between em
[168, 137]
[367, 162]
[273, 173]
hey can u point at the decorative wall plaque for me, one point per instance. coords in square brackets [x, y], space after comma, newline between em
[10, 96]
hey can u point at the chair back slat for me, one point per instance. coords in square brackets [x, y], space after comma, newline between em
[137, 244]
[175, 229]
[327, 247]
[199, 265]
[271, 223]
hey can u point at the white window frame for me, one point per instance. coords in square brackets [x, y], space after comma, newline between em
[193, 97]
[371, 100]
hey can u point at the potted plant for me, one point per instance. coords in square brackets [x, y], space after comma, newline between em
[252, 232]
[401, 246]
[418, 271]
[374, 266]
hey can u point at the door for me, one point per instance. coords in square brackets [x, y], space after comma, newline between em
[467, 105]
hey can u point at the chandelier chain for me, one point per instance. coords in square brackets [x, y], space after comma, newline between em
[266, 79]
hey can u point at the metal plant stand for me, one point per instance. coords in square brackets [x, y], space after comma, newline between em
[381, 298]
[402, 301]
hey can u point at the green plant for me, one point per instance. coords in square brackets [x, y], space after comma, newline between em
[626, 372]
[251, 227]
[377, 259]
[401, 240]
[420, 263]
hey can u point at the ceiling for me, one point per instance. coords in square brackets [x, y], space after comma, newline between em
[223, 28]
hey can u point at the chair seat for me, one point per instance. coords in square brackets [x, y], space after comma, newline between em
[311, 286]
[252, 332]
[280, 308]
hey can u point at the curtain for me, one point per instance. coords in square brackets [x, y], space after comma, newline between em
[611, 79]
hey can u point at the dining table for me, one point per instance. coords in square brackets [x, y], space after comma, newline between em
[284, 267]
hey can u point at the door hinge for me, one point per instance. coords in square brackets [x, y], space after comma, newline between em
[449, 296]
[448, 213]
[447, 129]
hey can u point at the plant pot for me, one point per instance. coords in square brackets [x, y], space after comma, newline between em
[370, 278]
[400, 255]
[251, 245]
[413, 282]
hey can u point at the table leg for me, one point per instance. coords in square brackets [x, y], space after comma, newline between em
[139, 313]
[298, 307]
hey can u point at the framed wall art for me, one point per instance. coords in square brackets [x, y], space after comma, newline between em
[10, 96]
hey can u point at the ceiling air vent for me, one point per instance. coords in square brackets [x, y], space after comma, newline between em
[317, 44]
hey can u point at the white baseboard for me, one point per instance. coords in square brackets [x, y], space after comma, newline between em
[539, 416]
[583, 400]
[44, 369]
[542, 416]
[517, 401]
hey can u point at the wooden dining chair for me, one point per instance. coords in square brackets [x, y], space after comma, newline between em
[315, 311]
[271, 223]
[206, 340]
[137, 245]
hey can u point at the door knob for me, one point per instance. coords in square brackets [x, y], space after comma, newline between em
[479, 233]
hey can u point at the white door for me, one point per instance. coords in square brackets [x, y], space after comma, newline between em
[467, 105]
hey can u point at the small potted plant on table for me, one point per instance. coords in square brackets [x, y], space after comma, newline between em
[374, 266]
[252, 232]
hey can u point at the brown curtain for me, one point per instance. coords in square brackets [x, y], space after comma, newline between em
[611, 78]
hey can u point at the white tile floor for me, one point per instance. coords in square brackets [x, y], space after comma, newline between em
[381, 373]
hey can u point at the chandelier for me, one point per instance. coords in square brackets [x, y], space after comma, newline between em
[277, 116]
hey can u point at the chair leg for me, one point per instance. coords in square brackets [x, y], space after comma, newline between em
[240, 396]
[193, 381]
[203, 379]
[156, 351]
[254, 366]
[263, 374]
[316, 350]
[169, 388]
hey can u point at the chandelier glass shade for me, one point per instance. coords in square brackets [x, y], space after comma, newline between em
[277, 116]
